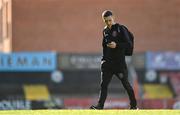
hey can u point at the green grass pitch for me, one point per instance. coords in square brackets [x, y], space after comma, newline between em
[90, 112]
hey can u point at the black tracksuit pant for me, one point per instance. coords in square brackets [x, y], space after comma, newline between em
[106, 77]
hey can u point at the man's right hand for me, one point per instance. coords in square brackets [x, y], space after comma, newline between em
[102, 61]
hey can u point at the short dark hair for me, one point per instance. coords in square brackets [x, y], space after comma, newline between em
[107, 13]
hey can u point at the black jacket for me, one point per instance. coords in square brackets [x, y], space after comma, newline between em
[115, 58]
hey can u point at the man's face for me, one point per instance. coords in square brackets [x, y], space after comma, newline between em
[108, 20]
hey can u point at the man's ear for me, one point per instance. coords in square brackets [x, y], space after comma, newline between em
[113, 17]
[103, 19]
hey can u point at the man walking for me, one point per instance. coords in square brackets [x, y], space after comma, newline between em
[115, 41]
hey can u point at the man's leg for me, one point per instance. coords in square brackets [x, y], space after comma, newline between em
[105, 80]
[124, 79]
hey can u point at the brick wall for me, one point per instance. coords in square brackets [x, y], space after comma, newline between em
[76, 25]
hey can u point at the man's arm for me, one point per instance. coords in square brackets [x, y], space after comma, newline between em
[127, 42]
[103, 46]
[119, 44]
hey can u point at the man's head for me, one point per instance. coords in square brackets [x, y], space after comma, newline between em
[108, 18]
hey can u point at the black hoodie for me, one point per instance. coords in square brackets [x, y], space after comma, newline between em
[115, 57]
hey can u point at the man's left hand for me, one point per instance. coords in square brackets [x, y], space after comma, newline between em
[111, 45]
